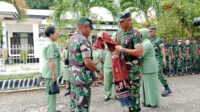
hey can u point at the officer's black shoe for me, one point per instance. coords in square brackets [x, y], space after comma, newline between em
[58, 111]
[133, 110]
[167, 91]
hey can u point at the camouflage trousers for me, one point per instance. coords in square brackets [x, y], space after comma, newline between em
[80, 98]
[166, 69]
[161, 76]
[192, 64]
[175, 64]
[135, 78]
[183, 64]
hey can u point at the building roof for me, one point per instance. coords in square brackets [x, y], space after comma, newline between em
[7, 10]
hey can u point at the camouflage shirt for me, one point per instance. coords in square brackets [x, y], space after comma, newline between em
[79, 48]
[175, 47]
[167, 48]
[192, 49]
[129, 39]
[157, 43]
[183, 49]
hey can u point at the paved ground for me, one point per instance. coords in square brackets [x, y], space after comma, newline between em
[185, 98]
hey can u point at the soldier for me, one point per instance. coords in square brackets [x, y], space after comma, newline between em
[174, 55]
[129, 41]
[182, 56]
[167, 52]
[161, 58]
[191, 53]
[198, 52]
[65, 67]
[81, 67]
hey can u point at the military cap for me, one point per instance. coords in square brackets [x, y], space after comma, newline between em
[163, 36]
[175, 36]
[123, 15]
[191, 38]
[152, 29]
[86, 20]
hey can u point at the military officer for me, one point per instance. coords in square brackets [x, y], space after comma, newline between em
[81, 67]
[129, 40]
[161, 58]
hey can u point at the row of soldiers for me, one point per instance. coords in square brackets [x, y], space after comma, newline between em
[178, 58]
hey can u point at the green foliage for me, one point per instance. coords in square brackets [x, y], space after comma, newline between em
[140, 6]
[178, 17]
[23, 56]
[39, 4]
[81, 8]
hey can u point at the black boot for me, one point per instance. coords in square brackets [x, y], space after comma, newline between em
[132, 110]
[167, 91]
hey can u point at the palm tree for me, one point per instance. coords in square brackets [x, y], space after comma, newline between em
[82, 7]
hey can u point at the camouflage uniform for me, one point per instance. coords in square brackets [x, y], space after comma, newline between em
[167, 50]
[80, 76]
[192, 60]
[174, 62]
[183, 61]
[157, 43]
[198, 65]
[129, 39]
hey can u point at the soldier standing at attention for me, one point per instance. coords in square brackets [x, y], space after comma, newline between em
[167, 52]
[191, 52]
[174, 54]
[182, 56]
[81, 67]
[161, 58]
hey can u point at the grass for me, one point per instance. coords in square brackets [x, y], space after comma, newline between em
[20, 76]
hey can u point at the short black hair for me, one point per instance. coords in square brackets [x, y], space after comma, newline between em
[49, 30]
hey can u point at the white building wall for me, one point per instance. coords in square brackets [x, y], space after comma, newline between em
[18, 28]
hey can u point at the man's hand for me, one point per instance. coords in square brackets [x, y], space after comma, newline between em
[165, 62]
[172, 57]
[54, 77]
[181, 57]
[118, 48]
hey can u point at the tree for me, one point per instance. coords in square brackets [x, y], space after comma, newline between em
[179, 15]
[81, 7]
[140, 6]
[39, 4]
